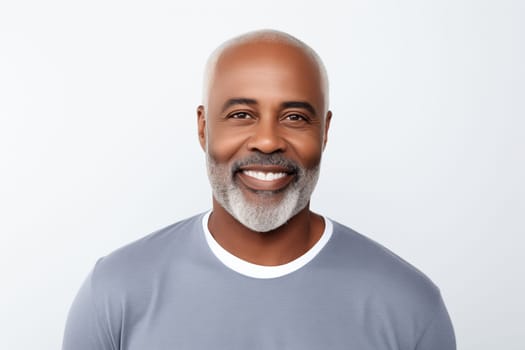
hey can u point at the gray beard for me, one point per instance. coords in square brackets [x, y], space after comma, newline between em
[265, 213]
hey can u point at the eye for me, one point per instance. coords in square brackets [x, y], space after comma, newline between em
[296, 117]
[240, 115]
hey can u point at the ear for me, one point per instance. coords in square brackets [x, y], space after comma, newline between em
[201, 126]
[327, 121]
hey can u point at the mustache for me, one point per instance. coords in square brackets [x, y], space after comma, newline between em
[259, 158]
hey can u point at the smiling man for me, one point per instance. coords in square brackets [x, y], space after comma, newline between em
[263, 125]
[260, 270]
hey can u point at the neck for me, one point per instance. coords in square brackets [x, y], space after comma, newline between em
[276, 247]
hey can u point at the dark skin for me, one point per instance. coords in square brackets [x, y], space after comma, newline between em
[265, 97]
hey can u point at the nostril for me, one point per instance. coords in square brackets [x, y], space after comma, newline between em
[266, 139]
[267, 144]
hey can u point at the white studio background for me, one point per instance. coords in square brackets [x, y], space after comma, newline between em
[98, 142]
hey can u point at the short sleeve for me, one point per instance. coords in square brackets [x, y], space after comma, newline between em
[83, 330]
[439, 334]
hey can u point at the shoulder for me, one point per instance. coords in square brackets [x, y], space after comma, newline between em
[138, 264]
[382, 274]
[121, 286]
[393, 294]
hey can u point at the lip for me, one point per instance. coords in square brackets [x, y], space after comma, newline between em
[273, 185]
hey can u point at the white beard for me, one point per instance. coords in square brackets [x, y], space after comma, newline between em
[266, 213]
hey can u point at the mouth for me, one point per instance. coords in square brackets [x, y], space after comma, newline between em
[265, 178]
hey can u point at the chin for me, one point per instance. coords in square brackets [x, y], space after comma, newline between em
[261, 211]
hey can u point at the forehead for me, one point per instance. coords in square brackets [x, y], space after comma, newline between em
[266, 71]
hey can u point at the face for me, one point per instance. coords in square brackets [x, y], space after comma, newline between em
[264, 129]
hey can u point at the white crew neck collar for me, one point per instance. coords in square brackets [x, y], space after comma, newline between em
[260, 271]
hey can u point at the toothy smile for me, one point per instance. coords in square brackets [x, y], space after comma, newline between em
[264, 176]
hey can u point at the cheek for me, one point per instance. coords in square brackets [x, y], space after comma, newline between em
[222, 146]
[310, 155]
[307, 149]
[304, 146]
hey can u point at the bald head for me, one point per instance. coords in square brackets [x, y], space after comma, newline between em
[264, 111]
[264, 46]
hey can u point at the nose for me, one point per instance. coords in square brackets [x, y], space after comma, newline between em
[266, 137]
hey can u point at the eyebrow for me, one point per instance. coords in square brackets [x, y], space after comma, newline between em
[250, 102]
[299, 104]
[238, 101]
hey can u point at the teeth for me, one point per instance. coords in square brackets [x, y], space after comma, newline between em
[264, 176]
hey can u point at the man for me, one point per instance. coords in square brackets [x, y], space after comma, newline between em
[260, 271]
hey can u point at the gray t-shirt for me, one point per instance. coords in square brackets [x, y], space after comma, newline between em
[178, 289]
